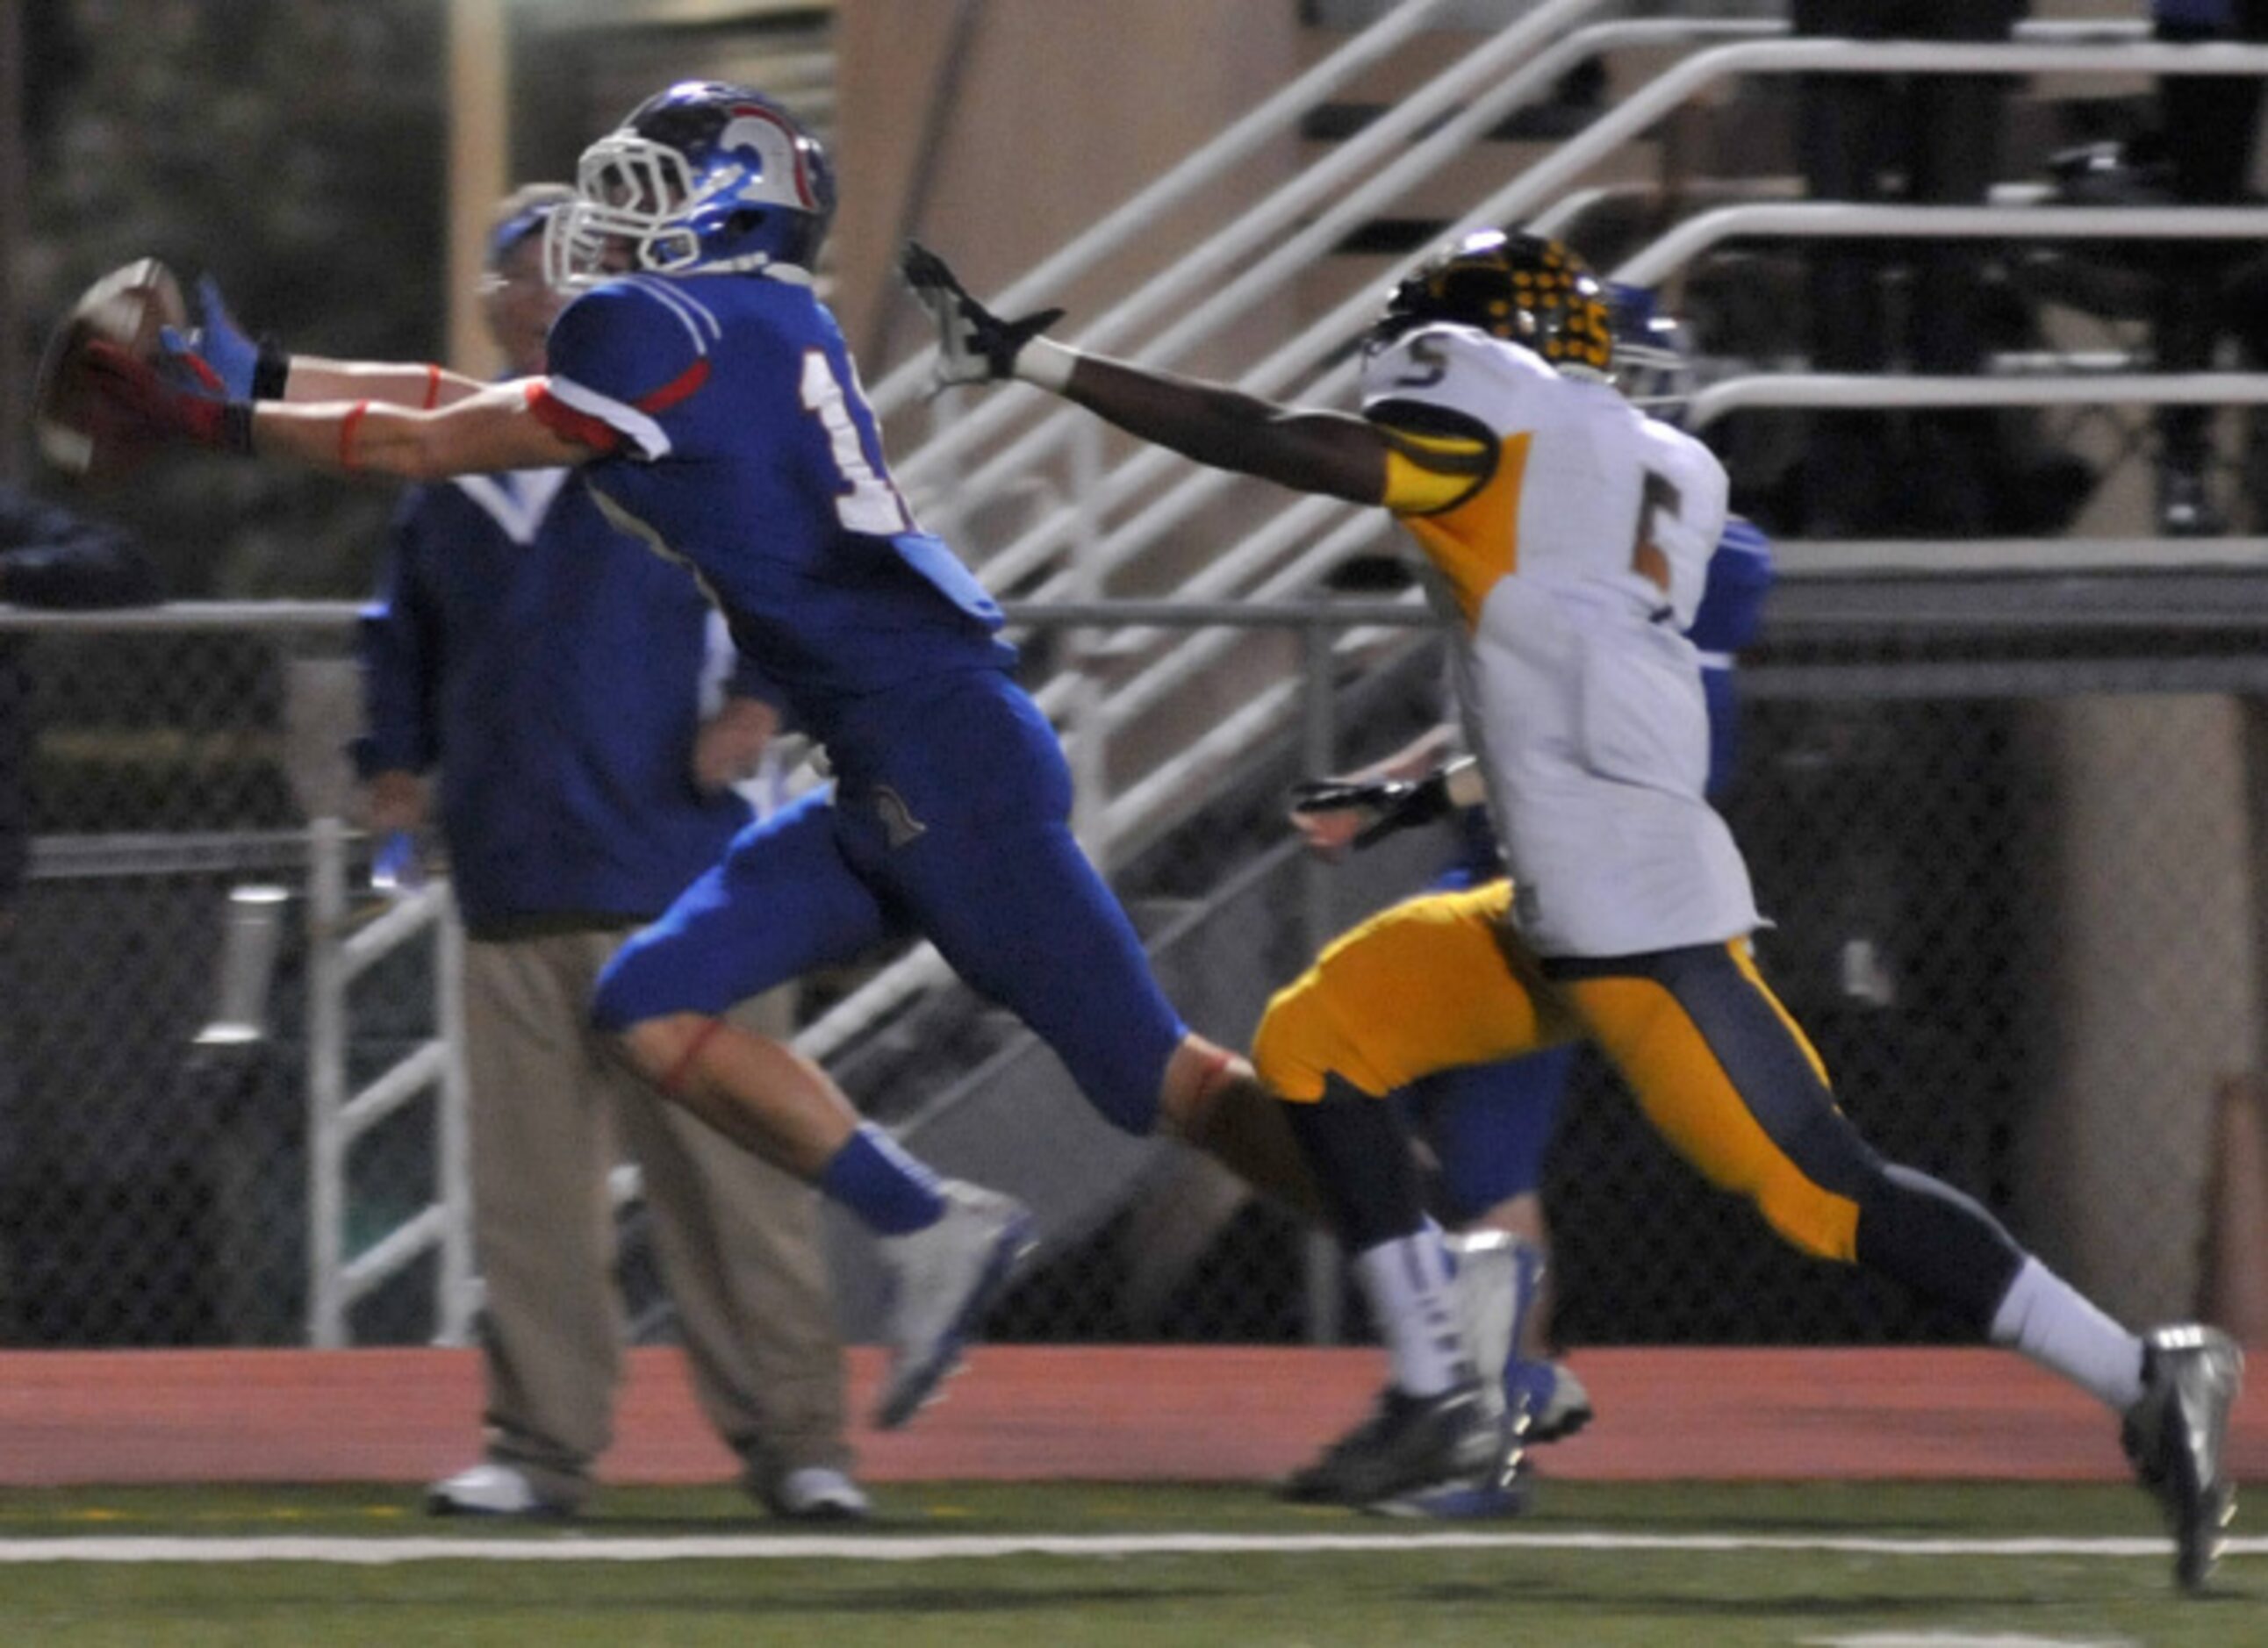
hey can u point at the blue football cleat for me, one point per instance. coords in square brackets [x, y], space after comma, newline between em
[1546, 1398]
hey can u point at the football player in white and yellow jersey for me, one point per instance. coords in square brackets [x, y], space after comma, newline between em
[1568, 537]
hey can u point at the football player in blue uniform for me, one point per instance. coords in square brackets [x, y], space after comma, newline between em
[1568, 537]
[709, 398]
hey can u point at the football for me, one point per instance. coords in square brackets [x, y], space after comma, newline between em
[77, 430]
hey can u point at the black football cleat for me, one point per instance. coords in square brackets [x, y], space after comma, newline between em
[2175, 1434]
[1407, 1444]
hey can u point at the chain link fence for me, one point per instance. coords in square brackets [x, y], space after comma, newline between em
[2005, 836]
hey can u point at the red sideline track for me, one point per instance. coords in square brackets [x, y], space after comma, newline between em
[1112, 1413]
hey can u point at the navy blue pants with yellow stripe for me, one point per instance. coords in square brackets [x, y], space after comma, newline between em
[1716, 1064]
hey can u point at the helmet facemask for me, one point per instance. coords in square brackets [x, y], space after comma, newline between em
[630, 192]
[731, 184]
[1654, 357]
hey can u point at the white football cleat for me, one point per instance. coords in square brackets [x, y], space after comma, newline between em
[493, 1489]
[943, 1280]
[817, 1494]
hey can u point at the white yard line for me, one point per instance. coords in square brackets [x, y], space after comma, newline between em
[576, 1548]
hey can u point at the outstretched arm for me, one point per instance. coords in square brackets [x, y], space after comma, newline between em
[420, 387]
[494, 429]
[490, 430]
[1309, 450]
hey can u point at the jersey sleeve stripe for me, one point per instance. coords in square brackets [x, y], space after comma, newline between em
[1743, 537]
[676, 389]
[1436, 457]
[596, 421]
[698, 320]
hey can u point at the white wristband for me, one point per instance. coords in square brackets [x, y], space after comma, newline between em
[1465, 787]
[1047, 364]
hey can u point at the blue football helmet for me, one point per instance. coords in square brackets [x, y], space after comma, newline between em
[1523, 288]
[706, 177]
[1654, 357]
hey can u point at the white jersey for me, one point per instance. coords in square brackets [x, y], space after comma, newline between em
[1569, 576]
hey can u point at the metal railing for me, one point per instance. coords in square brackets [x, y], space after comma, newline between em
[1165, 504]
[337, 955]
[1171, 504]
[1267, 261]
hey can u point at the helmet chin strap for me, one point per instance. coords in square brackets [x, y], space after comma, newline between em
[750, 263]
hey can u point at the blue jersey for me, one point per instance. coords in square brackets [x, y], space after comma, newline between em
[735, 439]
[1732, 608]
[1732, 611]
[731, 435]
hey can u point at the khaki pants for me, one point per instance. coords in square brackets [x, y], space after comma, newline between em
[552, 1112]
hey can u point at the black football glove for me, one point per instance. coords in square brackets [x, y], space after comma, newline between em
[1390, 804]
[973, 345]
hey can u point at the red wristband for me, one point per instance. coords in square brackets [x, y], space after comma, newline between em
[348, 425]
[432, 386]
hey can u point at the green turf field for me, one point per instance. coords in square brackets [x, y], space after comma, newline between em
[1870, 1565]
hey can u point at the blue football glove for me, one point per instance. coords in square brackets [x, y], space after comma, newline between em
[397, 869]
[219, 354]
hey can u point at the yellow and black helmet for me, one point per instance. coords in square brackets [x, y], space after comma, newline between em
[1522, 288]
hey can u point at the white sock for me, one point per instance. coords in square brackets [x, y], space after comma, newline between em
[2063, 1330]
[1406, 1283]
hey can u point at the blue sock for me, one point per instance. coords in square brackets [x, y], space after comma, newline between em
[876, 1179]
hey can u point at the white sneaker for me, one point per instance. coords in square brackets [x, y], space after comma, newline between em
[943, 1280]
[1486, 1280]
[492, 1490]
[817, 1494]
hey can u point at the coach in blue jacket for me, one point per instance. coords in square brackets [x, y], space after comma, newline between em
[554, 672]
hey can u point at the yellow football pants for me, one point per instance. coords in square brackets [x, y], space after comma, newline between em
[1718, 1066]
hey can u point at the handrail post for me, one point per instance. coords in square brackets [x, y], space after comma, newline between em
[459, 1299]
[327, 1083]
[1324, 1274]
[1088, 729]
